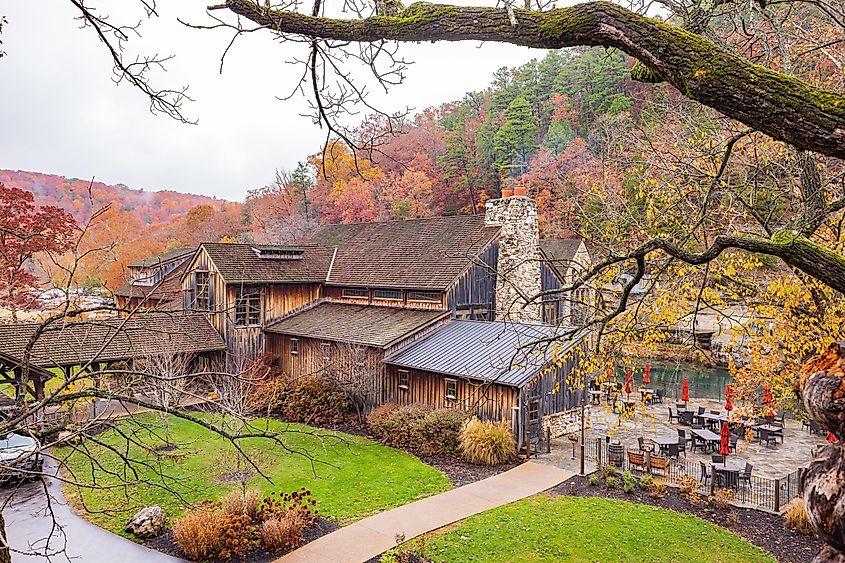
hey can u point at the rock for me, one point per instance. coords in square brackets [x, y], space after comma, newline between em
[149, 522]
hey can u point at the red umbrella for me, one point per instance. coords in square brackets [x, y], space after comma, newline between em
[729, 393]
[831, 438]
[629, 382]
[685, 390]
[724, 443]
[647, 374]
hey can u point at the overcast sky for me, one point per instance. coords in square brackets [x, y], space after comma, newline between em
[61, 113]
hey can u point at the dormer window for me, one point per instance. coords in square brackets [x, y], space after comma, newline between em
[354, 293]
[424, 296]
[388, 294]
[278, 252]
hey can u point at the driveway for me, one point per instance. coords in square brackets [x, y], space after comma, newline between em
[44, 523]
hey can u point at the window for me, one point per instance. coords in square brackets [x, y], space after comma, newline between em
[451, 389]
[350, 293]
[248, 306]
[534, 411]
[426, 296]
[404, 375]
[294, 346]
[202, 292]
[388, 294]
[326, 348]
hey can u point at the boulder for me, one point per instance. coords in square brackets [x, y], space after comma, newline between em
[149, 522]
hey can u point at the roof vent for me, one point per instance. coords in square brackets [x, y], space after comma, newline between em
[269, 252]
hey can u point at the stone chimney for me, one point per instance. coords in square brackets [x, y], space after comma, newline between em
[518, 272]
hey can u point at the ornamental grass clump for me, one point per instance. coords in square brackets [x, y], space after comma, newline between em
[487, 443]
[198, 533]
[795, 518]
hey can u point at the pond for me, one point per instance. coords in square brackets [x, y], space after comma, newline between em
[704, 382]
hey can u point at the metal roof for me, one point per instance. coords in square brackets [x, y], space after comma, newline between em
[494, 351]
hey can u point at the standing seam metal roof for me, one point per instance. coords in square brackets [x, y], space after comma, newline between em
[493, 351]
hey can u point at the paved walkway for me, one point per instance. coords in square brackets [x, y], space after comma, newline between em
[372, 536]
[62, 535]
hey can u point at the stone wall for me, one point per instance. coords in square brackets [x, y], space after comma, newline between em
[566, 422]
[518, 272]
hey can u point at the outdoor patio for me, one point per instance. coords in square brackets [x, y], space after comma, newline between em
[652, 422]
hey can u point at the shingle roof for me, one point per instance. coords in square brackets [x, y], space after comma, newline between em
[162, 258]
[561, 252]
[504, 352]
[415, 254]
[111, 339]
[370, 325]
[240, 263]
[166, 290]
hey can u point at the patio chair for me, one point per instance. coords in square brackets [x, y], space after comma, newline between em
[682, 436]
[768, 437]
[717, 458]
[658, 463]
[745, 476]
[657, 397]
[815, 427]
[779, 421]
[643, 446]
[687, 418]
[673, 416]
[697, 443]
[732, 443]
[636, 460]
[701, 410]
[673, 450]
[705, 473]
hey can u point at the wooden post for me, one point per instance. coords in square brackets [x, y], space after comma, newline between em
[777, 495]
[712, 479]
[583, 436]
[598, 451]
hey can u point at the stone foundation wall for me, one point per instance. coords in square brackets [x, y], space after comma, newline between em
[566, 422]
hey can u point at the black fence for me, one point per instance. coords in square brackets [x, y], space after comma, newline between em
[752, 490]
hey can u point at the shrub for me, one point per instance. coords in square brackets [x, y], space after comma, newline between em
[238, 537]
[298, 501]
[488, 443]
[242, 502]
[646, 481]
[687, 484]
[283, 532]
[419, 428]
[611, 482]
[593, 480]
[609, 470]
[198, 533]
[722, 498]
[314, 400]
[629, 482]
[656, 488]
[795, 518]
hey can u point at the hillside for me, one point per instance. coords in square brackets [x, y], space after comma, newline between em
[71, 194]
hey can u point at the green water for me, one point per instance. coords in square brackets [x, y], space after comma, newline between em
[704, 382]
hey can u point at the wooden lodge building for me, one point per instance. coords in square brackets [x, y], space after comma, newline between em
[436, 310]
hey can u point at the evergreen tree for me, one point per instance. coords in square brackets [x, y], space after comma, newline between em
[515, 140]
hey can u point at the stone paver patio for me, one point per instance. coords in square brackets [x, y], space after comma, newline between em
[774, 461]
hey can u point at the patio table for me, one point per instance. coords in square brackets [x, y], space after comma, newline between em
[710, 419]
[707, 435]
[669, 445]
[729, 473]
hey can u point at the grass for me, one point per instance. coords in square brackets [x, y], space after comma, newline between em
[586, 529]
[350, 479]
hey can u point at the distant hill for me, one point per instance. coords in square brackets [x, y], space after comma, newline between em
[72, 195]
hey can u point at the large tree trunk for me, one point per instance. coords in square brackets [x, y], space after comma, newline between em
[5, 553]
[777, 104]
[821, 386]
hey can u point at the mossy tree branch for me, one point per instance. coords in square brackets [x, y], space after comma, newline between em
[777, 104]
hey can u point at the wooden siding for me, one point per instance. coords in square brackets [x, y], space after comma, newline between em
[474, 290]
[553, 305]
[488, 401]
[346, 363]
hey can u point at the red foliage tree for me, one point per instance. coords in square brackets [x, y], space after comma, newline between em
[25, 230]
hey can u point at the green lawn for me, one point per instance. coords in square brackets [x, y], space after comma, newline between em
[363, 477]
[586, 529]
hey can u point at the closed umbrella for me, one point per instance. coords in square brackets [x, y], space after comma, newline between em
[831, 438]
[629, 382]
[729, 403]
[647, 374]
[767, 402]
[685, 390]
[725, 442]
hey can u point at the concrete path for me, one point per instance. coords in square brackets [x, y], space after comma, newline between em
[40, 531]
[372, 536]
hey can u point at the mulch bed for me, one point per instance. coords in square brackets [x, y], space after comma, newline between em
[763, 529]
[166, 544]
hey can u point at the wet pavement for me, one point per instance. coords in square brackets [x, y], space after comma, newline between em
[42, 527]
